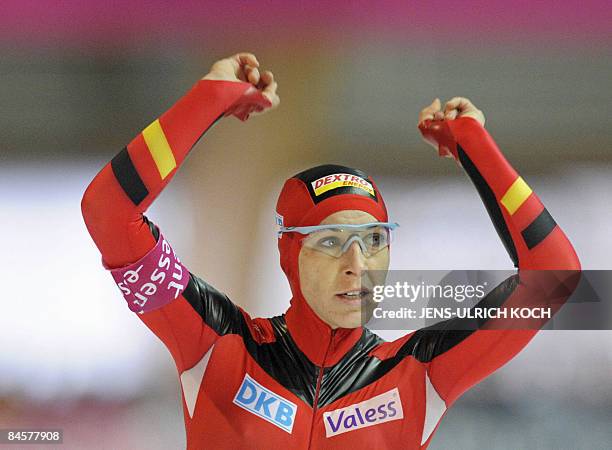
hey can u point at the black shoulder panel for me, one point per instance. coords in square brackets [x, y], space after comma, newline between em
[215, 308]
[281, 359]
[427, 343]
[285, 362]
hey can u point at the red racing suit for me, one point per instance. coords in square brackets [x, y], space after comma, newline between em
[291, 382]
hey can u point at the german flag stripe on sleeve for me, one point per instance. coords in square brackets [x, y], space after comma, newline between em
[537, 230]
[529, 210]
[516, 195]
[128, 178]
[159, 148]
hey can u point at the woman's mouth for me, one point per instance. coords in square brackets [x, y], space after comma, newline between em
[354, 296]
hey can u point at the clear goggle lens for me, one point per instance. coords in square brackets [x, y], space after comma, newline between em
[336, 239]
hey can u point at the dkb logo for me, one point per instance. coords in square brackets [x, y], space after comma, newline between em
[264, 403]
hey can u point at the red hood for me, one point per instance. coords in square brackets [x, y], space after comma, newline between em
[296, 208]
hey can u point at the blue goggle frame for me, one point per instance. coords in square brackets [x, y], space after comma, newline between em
[336, 226]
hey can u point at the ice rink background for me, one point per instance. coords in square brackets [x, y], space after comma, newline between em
[80, 79]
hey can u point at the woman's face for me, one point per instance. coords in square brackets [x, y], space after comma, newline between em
[324, 278]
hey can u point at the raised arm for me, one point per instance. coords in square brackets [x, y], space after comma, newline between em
[114, 202]
[530, 234]
[183, 311]
[458, 354]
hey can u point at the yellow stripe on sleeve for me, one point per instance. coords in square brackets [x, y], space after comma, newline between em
[516, 195]
[159, 148]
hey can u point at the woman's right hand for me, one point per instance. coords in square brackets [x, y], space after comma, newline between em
[244, 67]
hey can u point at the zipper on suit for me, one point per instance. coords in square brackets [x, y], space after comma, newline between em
[318, 388]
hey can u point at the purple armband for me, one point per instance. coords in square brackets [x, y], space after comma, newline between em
[154, 280]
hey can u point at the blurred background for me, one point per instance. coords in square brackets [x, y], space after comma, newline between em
[79, 79]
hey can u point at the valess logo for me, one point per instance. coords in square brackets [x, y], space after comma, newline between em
[380, 409]
[264, 403]
[337, 180]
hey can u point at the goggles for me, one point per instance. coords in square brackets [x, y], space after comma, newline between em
[335, 239]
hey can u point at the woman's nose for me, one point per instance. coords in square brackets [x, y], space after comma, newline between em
[354, 259]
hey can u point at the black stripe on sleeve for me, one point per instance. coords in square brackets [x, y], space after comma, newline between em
[537, 230]
[490, 202]
[128, 177]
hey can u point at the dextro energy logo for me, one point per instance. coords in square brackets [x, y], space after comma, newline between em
[376, 410]
[338, 180]
[264, 403]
